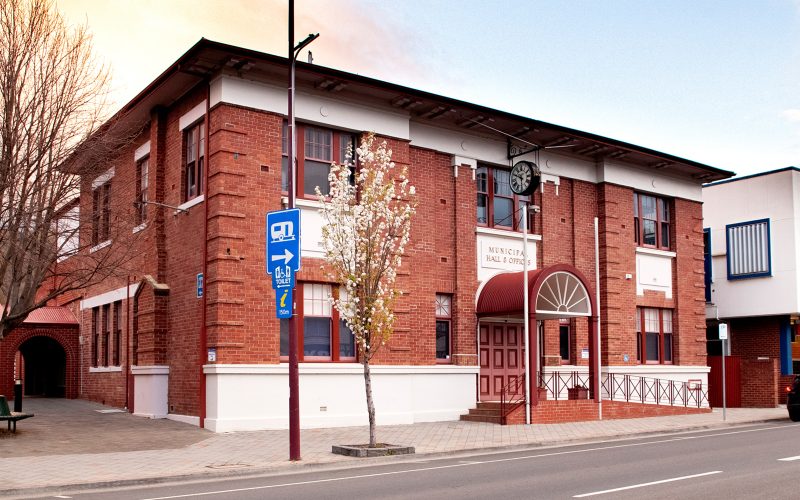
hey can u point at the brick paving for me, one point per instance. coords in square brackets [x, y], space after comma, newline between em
[70, 442]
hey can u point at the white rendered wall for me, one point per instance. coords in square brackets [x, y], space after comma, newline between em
[772, 197]
[310, 107]
[150, 389]
[252, 397]
[654, 271]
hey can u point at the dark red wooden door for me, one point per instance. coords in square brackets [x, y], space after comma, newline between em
[501, 358]
[733, 382]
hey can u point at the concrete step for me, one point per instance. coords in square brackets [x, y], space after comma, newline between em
[481, 412]
[481, 418]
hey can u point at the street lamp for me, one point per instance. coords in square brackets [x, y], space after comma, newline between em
[294, 375]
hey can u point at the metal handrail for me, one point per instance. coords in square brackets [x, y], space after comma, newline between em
[515, 396]
[614, 387]
[633, 388]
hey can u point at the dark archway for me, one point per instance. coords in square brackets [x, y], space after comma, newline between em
[44, 367]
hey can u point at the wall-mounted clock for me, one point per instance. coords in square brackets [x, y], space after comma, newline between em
[525, 178]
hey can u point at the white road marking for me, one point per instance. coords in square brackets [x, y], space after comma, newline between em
[642, 485]
[789, 459]
[61, 496]
[468, 464]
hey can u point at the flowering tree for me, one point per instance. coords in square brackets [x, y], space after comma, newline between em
[368, 227]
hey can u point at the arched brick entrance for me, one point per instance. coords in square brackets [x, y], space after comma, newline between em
[55, 323]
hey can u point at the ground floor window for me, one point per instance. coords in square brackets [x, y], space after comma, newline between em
[653, 335]
[443, 318]
[322, 335]
[563, 339]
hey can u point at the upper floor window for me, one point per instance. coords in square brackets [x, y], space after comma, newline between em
[651, 219]
[142, 167]
[195, 140]
[498, 206]
[444, 314]
[101, 212]
[748, 249]
[317, 148]
[653, 335]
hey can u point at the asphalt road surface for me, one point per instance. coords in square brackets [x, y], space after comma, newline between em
[756, 461]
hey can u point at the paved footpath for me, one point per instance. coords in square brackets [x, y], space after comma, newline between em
[74, 442]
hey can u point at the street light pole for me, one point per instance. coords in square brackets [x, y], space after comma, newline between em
[294, 374]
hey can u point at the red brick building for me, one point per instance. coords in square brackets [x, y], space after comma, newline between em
[195, 187]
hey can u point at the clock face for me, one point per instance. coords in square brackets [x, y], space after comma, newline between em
[520, 178]
[523, 178]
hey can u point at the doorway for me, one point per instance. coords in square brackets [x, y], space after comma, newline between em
[44, 367]
[502, 359]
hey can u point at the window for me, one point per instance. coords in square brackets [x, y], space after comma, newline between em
[106, 332]
[498, 206]
[748, 249]
[195, 155]
[316, 321]
[651, 219]
[654, 342]
[101, 213]
[563, 339]
[347, 340]
[707, 262]
[317, 148]
[142, 167]
[135, 340]
[95, 334]
[321, 329]
[444, 316]
[117, 331]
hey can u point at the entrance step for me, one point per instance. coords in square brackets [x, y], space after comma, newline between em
[485, 412]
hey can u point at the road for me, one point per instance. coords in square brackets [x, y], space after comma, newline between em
[756, 461]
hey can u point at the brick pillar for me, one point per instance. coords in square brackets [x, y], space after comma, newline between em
[689, 341]
[466, 273]
[617, 258]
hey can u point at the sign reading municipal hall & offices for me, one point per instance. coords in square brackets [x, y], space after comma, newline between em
[506, 253]
[283, 256]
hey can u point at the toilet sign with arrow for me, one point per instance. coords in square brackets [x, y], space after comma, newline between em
[283, 256]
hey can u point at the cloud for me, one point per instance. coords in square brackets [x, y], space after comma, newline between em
[792, 115]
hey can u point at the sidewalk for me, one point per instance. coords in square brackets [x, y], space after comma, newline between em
[74, 442]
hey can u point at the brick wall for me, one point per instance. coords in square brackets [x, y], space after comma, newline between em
[757, 341]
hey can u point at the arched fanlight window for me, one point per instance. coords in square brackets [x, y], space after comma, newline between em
[562, 295]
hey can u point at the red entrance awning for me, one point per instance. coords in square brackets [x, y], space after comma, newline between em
[503, 293]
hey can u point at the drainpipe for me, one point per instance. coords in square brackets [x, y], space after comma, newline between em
[203, 332]
[597, 314]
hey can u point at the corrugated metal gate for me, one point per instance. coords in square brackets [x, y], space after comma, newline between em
[733, 381]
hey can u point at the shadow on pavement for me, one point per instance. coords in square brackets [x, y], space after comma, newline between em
[74, 426]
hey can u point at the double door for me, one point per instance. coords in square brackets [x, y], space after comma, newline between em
[502, 359]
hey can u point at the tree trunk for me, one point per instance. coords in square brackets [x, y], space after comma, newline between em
[370, 403]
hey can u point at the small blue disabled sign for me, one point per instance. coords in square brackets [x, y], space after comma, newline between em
[283, 256]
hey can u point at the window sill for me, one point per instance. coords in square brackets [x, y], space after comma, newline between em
[189, 204]
[140, 227]
[507, 233]
[304, 202]
[656, 251]
[104, 369]
[100, 246]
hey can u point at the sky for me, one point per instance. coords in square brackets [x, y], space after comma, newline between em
[714, 81]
